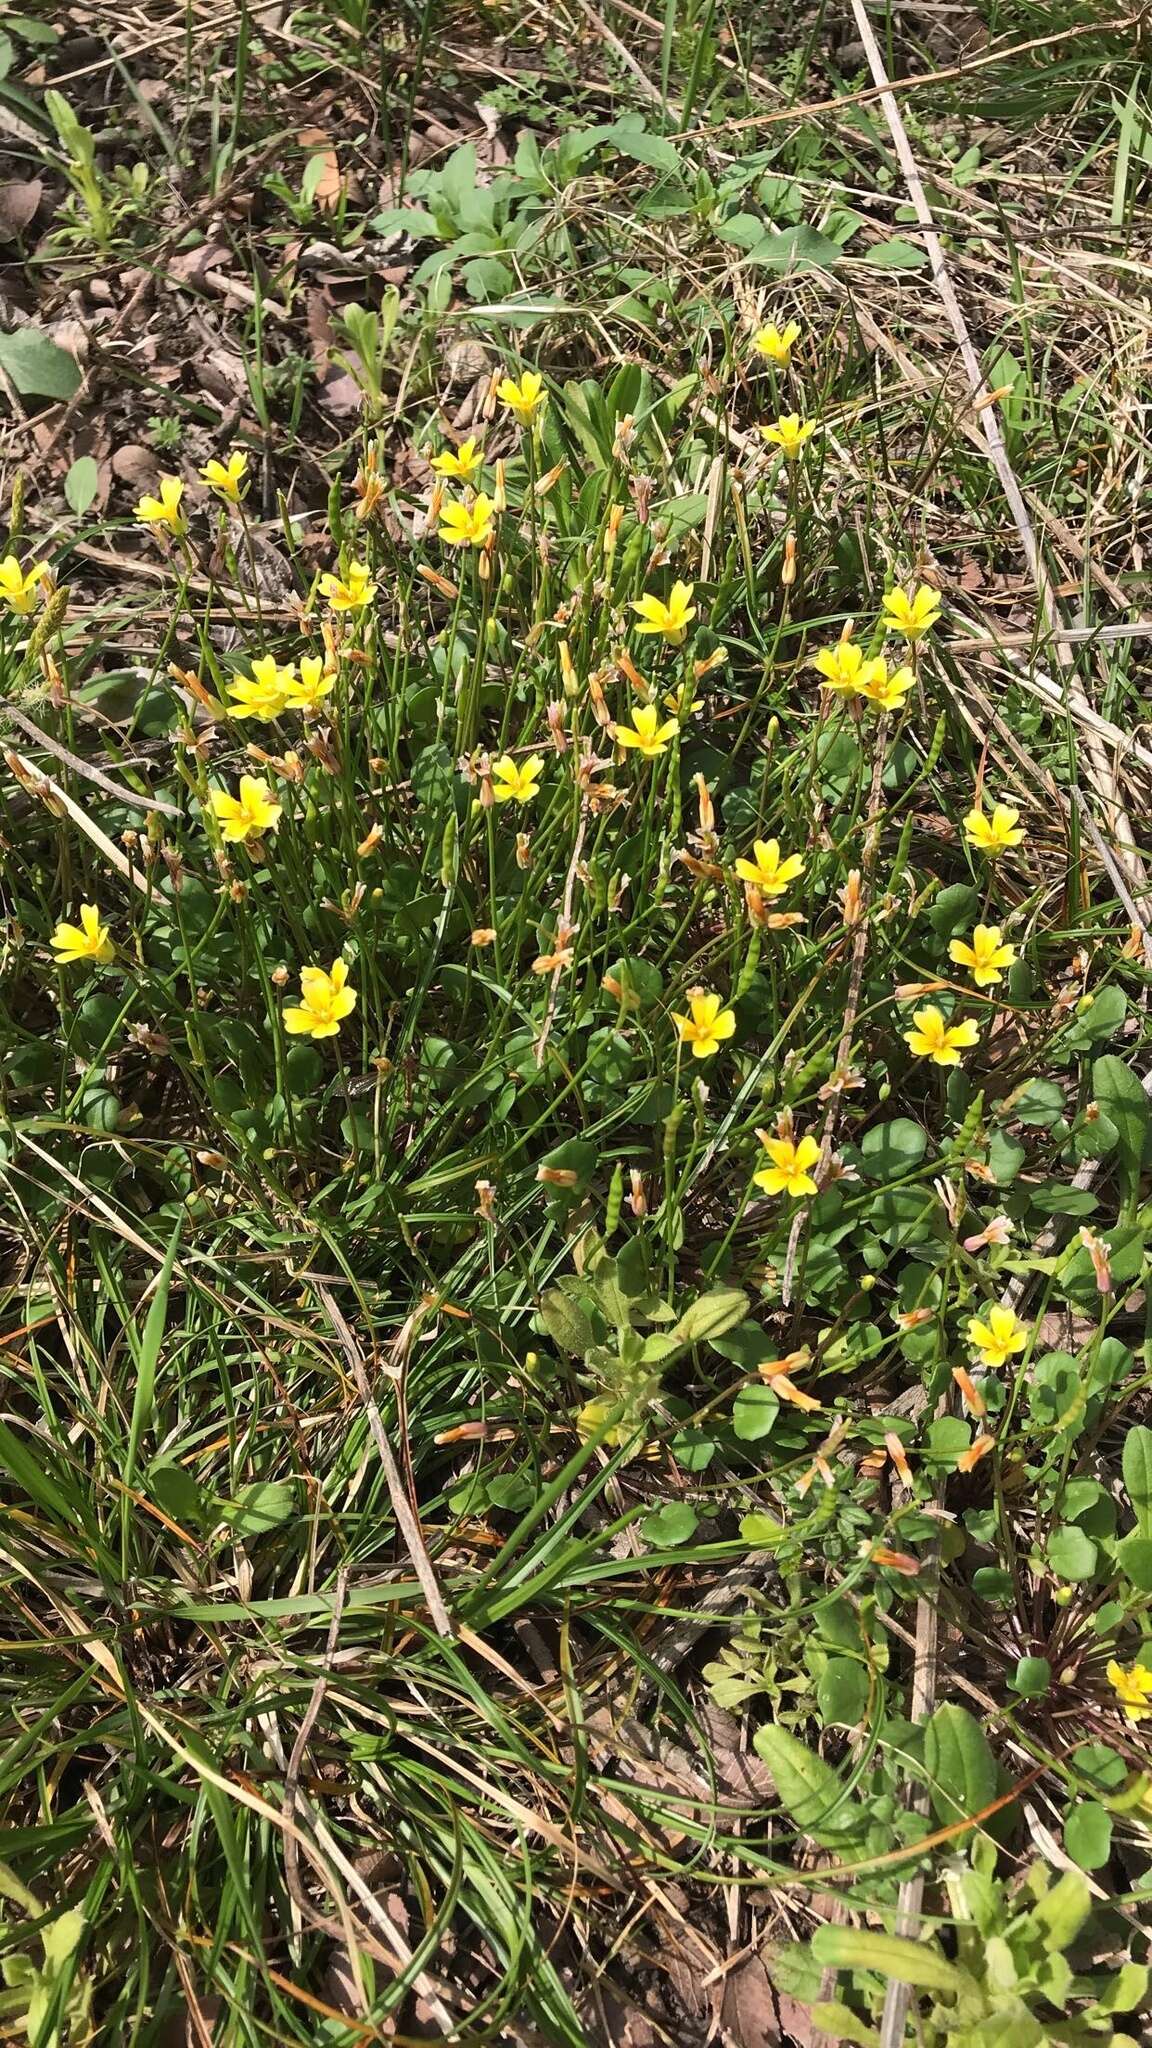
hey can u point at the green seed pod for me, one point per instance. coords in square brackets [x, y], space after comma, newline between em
[937, 746]
[448, 851]
[336, 514]
[966, 1136]
[672, 1123]
[16, 510]
[748, 971]
[615, 1201]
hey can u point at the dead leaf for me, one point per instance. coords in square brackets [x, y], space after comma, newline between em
[189, 265]
[748, 2013]
[331, 183]
[19, 201]
[317, 320]
[341, 395]
[136, 466]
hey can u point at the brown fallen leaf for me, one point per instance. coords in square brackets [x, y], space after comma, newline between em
[748, 2013]
[136, 466]
[19, 201]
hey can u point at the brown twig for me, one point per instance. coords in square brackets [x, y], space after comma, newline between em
[402, 1508]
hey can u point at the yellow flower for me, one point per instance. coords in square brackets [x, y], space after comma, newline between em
[525, 398]
[1133, 1689]
[788, 1173]
[325, 1001]
[937, 1041]
[164, 510]
[708, 1024]
[517, 781]
[350, 592]
[646, 733]
[789, 433]
[18, 587]
[307, 691]
[672, 619]
[227, 477]
[886, 692]
[263, 694]
[462, 462]
[912, 616]
[992, 835]
[467, 526]
[843, 667]
[247, 815]
[998, 1337]
[986, 957]
[89, 940]
[768, 872]
[777, 343]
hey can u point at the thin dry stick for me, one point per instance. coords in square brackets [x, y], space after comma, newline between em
[1100, 767]
[406, 1520]
[131, 797]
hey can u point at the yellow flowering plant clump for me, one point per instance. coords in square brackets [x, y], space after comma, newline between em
[790, 434]
[985, 956]
[325, 1001]
[468, 525]
[525, 398]
[776, 344]
[20, 588]
[670, 618]
[463, 462]
[164, 509]
[997, 1336]
[933, 1038]
[648, 734]
[248, 814]
[227, 478]
[768, 870]
[993, 832]
[89, 940]
[706, 1024]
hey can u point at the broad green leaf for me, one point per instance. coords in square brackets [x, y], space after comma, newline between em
[754, 1412]
[1134, 1557]
[1137, 1467]
[1071, 1554]
[1088, 1834]
[1032, 1677]
[37, 366]
[891, 1149]
[665, 1527]
[719, 1310]
[795, 250]
[81, 484]
[263, 1505]
[842, 1692]
[808, 1789]
[1125, 1104]
[908, 1962]
[960, 1765]
[1061, 1913]
[897, 254]
[566, 1322]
